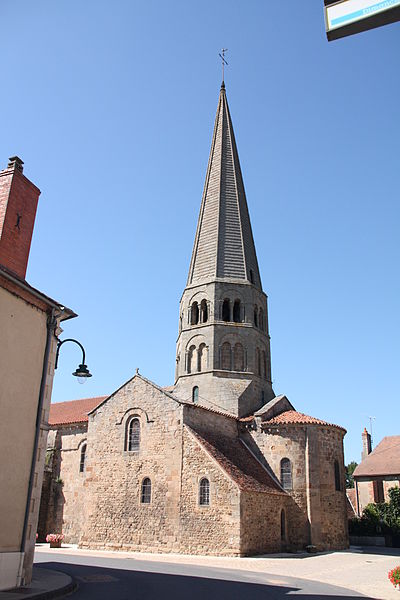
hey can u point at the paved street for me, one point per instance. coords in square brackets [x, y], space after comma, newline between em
[125, 578]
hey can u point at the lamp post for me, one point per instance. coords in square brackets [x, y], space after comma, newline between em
[82, 372]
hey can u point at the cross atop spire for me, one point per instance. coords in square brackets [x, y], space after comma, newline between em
[222, 56]
[224, 246]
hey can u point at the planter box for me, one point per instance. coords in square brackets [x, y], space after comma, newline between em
[55, 544]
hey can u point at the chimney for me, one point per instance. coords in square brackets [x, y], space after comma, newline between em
[366, 444]
[18, 204]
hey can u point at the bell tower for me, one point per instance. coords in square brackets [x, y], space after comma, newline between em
[223, 351]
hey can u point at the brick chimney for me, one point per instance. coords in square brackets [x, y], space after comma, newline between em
[366, 444]
[18, 204]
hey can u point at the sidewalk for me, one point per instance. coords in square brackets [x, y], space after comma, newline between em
[362, 569]
[45, 584]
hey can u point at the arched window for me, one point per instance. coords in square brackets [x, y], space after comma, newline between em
[238, 357]
[83, 459]
[261, 319]
[286, 474]
[195, 394]
[133, 441]
[226, 310]
[236, 312]
[338, 486]
[190, 358]
[255, 316]
[145, 492]
[194, 314]
[202, 358]
[226, 356]
[283, 525]
[204, 492]
[258, 362]
[204, 311]
[264, 364]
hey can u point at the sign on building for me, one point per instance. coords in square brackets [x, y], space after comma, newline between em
[346, 17]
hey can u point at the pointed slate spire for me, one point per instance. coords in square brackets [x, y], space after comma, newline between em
[224, 245]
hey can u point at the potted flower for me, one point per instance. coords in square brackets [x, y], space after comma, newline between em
[55, 539]
[394, 576]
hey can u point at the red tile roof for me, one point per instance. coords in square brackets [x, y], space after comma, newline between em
[290, 417]
[383, 460]
[238, 462]
[73, 411]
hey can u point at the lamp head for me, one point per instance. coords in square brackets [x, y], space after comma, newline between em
[82, 373]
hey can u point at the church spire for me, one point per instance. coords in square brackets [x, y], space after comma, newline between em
[224, 246]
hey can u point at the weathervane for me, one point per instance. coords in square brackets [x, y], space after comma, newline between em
[222, 56]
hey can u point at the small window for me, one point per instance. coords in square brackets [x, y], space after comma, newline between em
[286, 474]
[202, 358]
[226, 310]
[238, 357]
[251, 276]
[194, 314]
[145, 495]
[338, 486]
[195, 394]
[283, 525]
[83, 459]
[204, 311]
[204, 492]
[236, 312]
[261, 319]
[379, 495]
[133, 444]
[190, 359]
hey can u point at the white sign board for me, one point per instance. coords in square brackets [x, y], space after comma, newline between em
[348, 11]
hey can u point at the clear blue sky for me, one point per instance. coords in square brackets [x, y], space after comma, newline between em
[111, 106]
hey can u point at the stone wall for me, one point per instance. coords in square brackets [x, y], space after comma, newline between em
[317, 513]
[213, 529]
[261, 523]
[115, 516]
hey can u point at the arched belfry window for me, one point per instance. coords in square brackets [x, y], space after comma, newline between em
[286, 474]
[238, 357]
[194, 314]
[204, 311]
[338, 486]
[236, 312]
[145, 492]
[133, 437]
[190, 359]
[226, 310]
[195, 394]
[261, 319]
[82, 462]
[255, 316]
[264, 364]
[204, 492]
[202, 358]
[226, 359]
[258, 362]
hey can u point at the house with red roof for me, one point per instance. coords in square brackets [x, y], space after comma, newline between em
[378, 471]
[216, 463]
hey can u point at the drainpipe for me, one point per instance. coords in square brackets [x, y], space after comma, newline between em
[51, 327]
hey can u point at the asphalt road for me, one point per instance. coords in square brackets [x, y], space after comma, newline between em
[105, 578]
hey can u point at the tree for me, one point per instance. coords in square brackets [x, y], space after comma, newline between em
[349, 473]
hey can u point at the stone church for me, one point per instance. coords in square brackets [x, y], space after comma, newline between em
[215, 464]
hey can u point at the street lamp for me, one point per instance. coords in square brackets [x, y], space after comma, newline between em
[82, 372]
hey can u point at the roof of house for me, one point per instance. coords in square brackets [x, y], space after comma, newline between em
[290, 417]
[383, 460]
[238, 463]
[73, 411]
